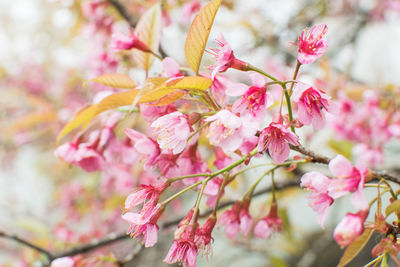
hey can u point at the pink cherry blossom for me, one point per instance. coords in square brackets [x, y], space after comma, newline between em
[237, 218]
[349, 228]
[225, 130]
[144, 226]
[145, 146]
[67, 151]
[348, 179]
[203, 236]
[121, 41]
[183, 249]
[255, 98]
[151, 113]
[270, 224]
[225, 58]
[276, 138]
[319, 199]
[311, 104]
[148, 194]
[171, 68]
[173, 131]
[63, 262]
[312, 44]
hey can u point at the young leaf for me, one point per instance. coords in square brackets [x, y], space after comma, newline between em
[168, 99]
[393, 207]
[354, 248]
[115, 80]
[148, 29]
[199, 31]
[84, 117]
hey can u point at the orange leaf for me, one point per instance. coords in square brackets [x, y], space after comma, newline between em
[199, 31]
[149, 30]
[168, 99]
[115, 80]
[354, 248]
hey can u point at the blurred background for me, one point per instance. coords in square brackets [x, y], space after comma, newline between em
[49, 48]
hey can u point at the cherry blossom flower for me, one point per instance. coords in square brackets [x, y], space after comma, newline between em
[183, 249]
[225, 58]
[349, 228]
[173, 131]
[225, 130]
[171, 69]
[276, 138]
[237, 218]
[203, 236]
[255, 98]
[145, 146]
[311, 104]
[312, 44]
[348, 179]
[319, 199]
[122, 41]
[270, 224]
[145, 194]
[63, 262]
[144, 226]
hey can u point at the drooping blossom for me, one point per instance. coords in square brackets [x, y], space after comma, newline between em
[122, 41]
[276, 138]
[237, 218]
[311, 103]
[144, 226]
[255, 98]
[222, 87]
[184, 248]
[173, 131]
[145, 194]
[349, 228]
[225, 57]
[312, 44]
[319, 199]
[203, 236]
[270, 224]
[348, 179]
[225, 130]
[151, 113]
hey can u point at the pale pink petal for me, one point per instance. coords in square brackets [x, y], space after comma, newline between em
[151, 235]
[340, 167]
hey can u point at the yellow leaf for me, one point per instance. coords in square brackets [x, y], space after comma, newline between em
[148, 29]
[199, 31]
[115, 80]
[393, 207]
[154, 89]
[33, 119]
[354, 248]
[185, 83]
[168, 99]
[84, 117]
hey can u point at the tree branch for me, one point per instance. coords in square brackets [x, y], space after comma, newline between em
[314, 157]
[26, 243]
[113, 237]
[122, 11]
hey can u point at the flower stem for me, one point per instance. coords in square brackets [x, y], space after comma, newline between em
[252, 68]
[289, 107]
[221, 189]
[296, 71]
[197, 131]
[171, 180]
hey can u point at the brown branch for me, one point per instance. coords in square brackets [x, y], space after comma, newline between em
[113, 238]
[314, 157]
[122, 11]
[26, 243]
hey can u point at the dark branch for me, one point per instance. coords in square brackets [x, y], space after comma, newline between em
[113, 238]
[314, 157]
[26, 243]
[122, 11]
